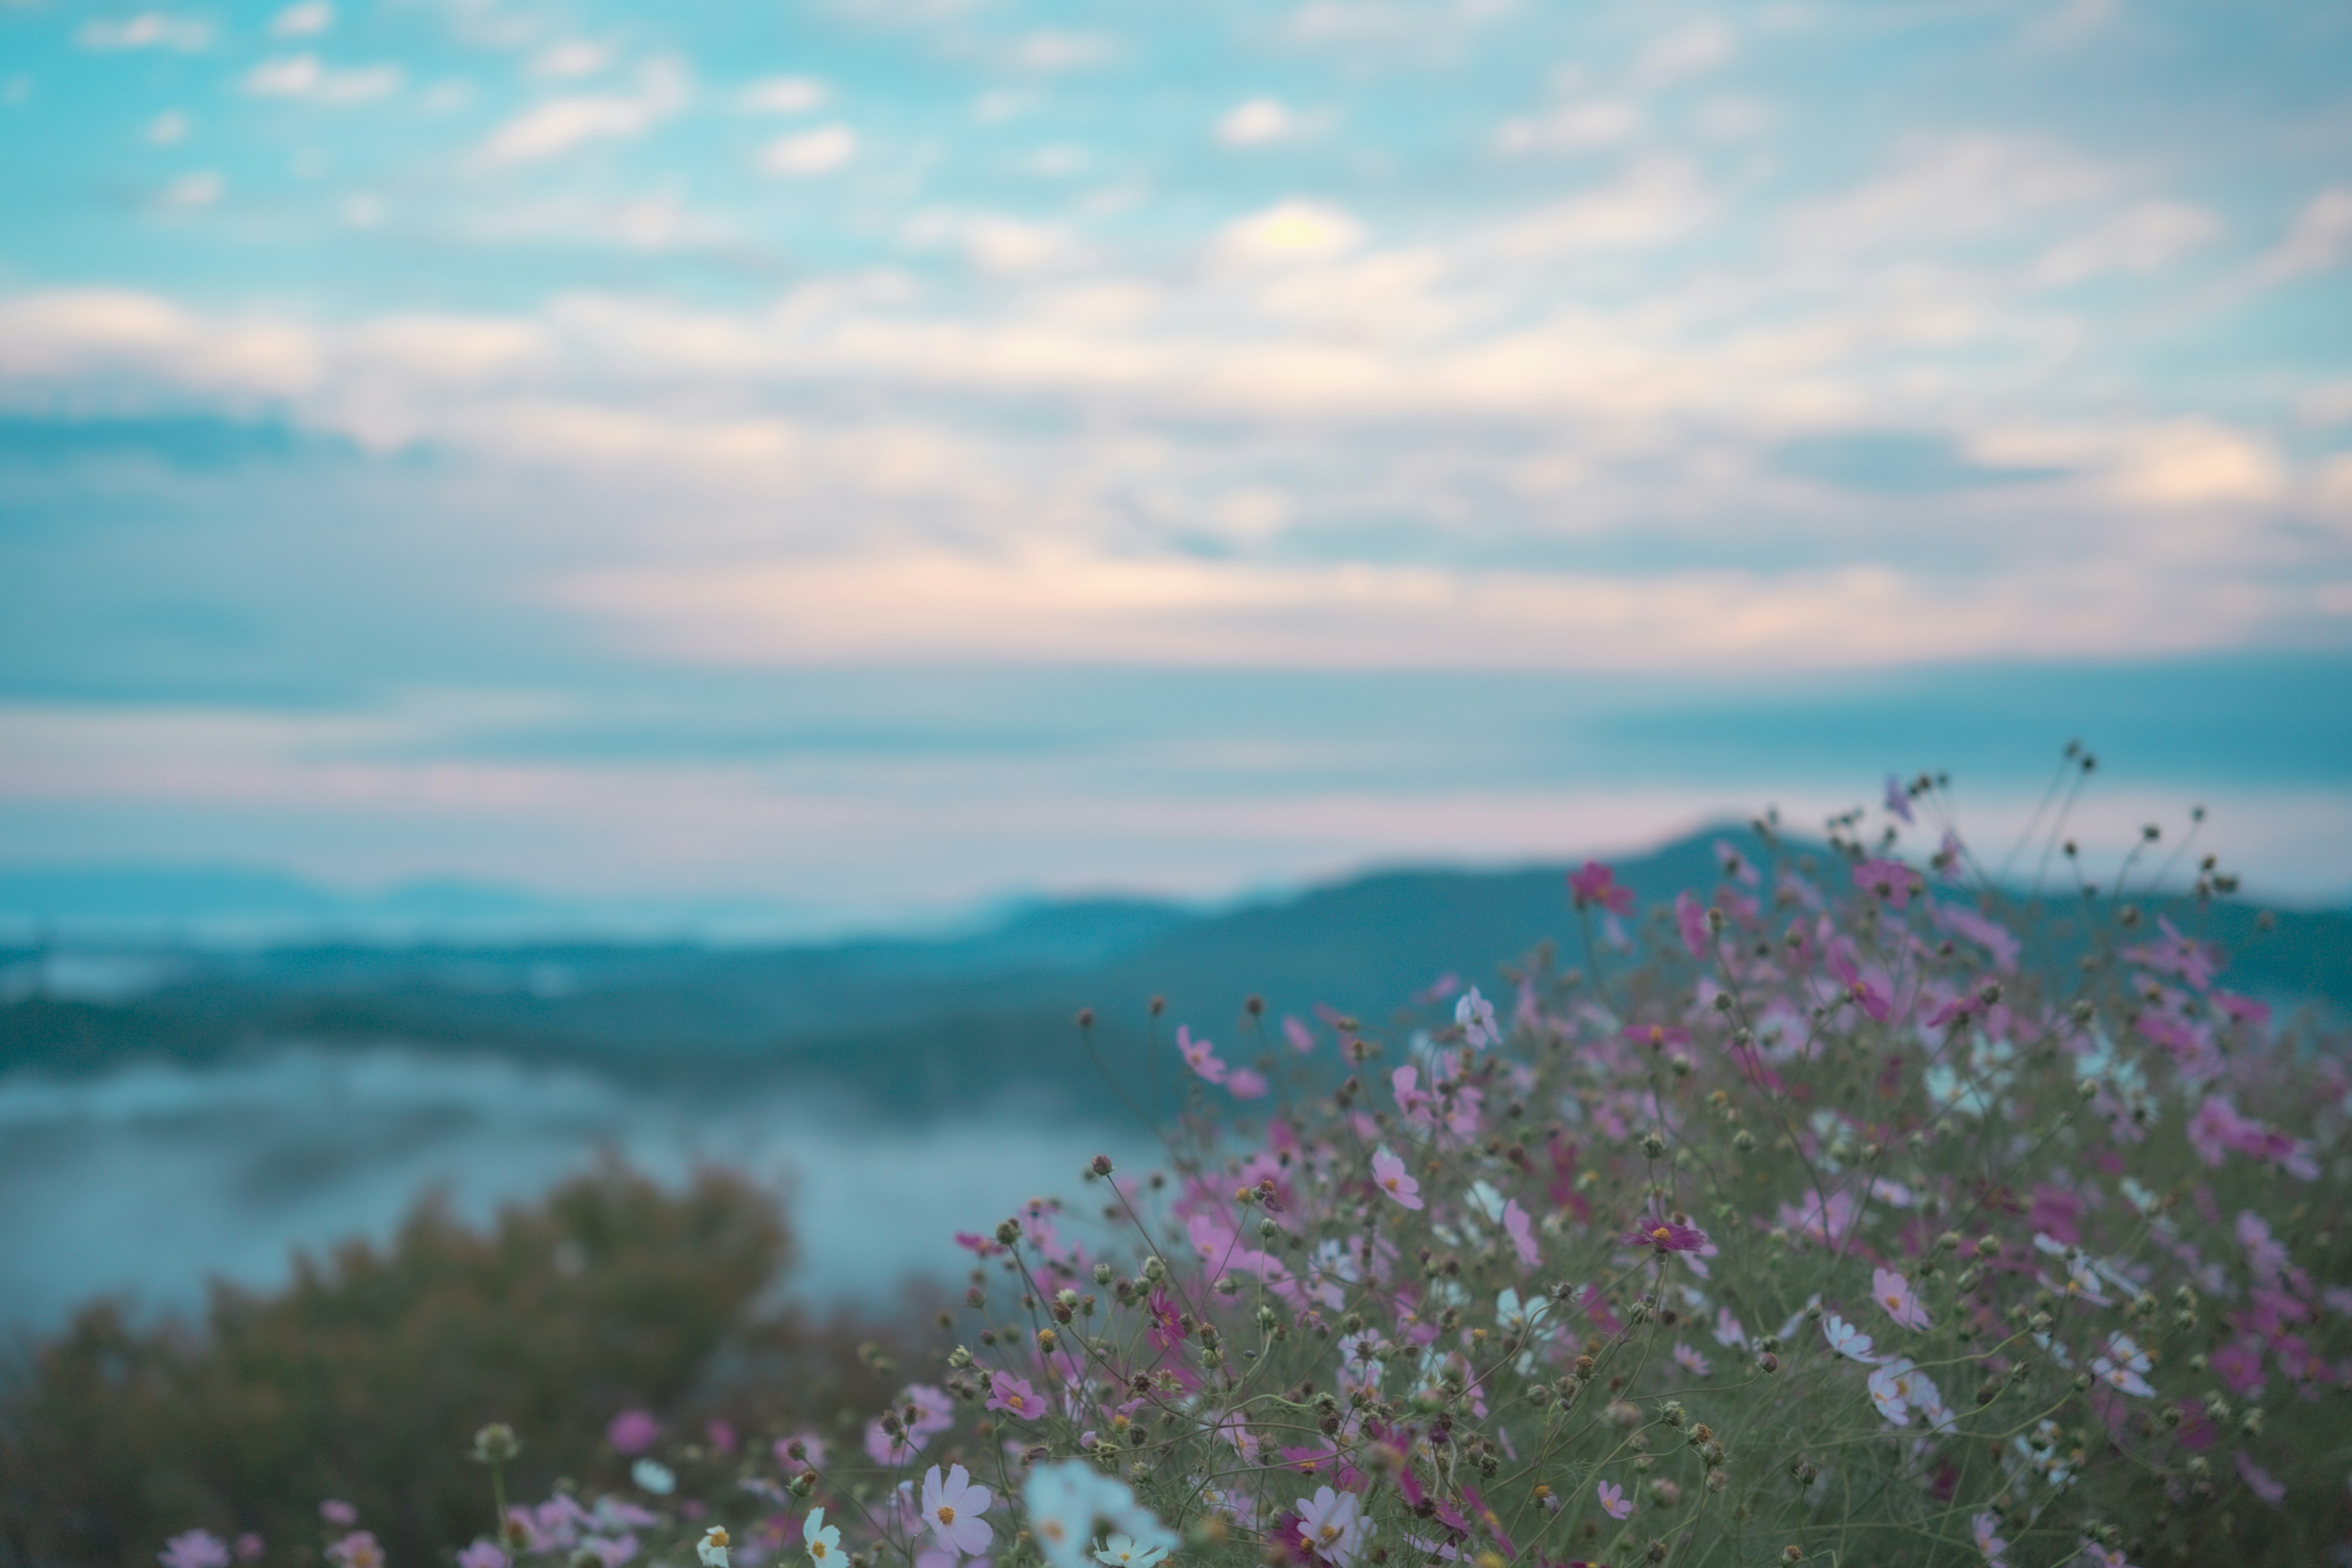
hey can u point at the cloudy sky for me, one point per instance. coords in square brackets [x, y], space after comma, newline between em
[875, 454]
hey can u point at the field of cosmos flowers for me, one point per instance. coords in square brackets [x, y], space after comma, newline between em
[1849, 1210]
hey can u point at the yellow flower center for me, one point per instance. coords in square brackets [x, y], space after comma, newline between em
[1329, 1533]
[1657, 1036]
[816, 1549]
[716, 1536]
[1662, 1234]
[947, 1514]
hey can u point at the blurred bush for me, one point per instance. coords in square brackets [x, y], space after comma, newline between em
[365, 1379]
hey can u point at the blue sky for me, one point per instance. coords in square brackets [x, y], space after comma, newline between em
[886, 453]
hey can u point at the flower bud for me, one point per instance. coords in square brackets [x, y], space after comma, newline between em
[495, 1444]
[1008, 1233]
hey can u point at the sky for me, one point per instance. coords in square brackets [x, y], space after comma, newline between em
[879, 455]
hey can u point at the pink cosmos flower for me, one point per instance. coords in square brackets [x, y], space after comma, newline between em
[482, 1554]
[1727, 1328]
[2097, 1556]
[812, 1457]
[1301, 1038]
[193, 1548]
[1889, 881]
[1200, 1056]
[1898, 799]
[339, 1513]
[1690, 921]
[1735, 865]
[1242, 1083]
[1690, 1359]
[357, 1549]
[1520, 1227]
[952, 1510]
[1437, 990]
[632, 1432]
[1890, 1390]
[1667, 1235]
[1476, 1016]
[2267, 1486]
[1864, 991]
[1613, 1501]
[1654, 1035]
[1597, 884]
[249, 1548]
[1015, 1395]
[2123, 1366]
[1389, 1175]
[1894, 1292]
[1987, 1527]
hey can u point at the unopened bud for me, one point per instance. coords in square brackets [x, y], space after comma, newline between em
[495, 1444]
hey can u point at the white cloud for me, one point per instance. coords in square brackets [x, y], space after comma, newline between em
[1292, 230]
[785, 95]
[2070, 23]
[1050, 50]
[201, 189]
[2320, 237]
[1654, 201]
[569, 60]
[147, 30]
[818, 152]
[2329, 403]
[1255, 121]
[560, 124]
[304, 80]
[1945, 190]
[168, 129]
[996, 244]
[1691, 50]
[307, 20]
[1571, 127]
[2141, 239]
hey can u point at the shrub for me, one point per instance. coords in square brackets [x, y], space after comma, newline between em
[1843, 1213]
[361, 1380]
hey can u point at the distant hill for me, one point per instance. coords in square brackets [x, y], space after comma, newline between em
[924, 1023]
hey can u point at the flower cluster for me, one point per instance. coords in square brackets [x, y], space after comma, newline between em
[1847, 1211]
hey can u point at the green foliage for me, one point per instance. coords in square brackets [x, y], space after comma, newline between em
[366, 1377]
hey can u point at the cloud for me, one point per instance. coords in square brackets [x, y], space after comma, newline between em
[1006, 247]
[1654, 201]
[168, 129]
[302, 78]
[147, 30]
[1257, 122]
[2069, 24]
[1292, 230]
[307, 20]
[560, 124]
[569, 60]
[2328, 404]
[2319, 238]
[1691, 50]
[1571, 127]
[2141, 240]
[1942, 191]
[785, 95]
[191, 191]
[819, 152]
[1060, 51]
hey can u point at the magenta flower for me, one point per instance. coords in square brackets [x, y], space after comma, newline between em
[1894, 1292]
[1301, 1038]
[481, 1554]
[1654, 1035]
[1389, 1174]
[1863, 993]
[1690, 1361]
[2266, 1486]
[1613, 1501]
[1014, 1395]
[1597, 884]
[1520, 1227]
[632, 1432]
[1898, 799]
[339, 1513]
[1242, 1083]
[1200, 1056]
[1690, 919]
[1667, 1235]
[1167, 1324]
[1888, 880]
[249, 1547]
[357, 1549]
[193, 1548]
